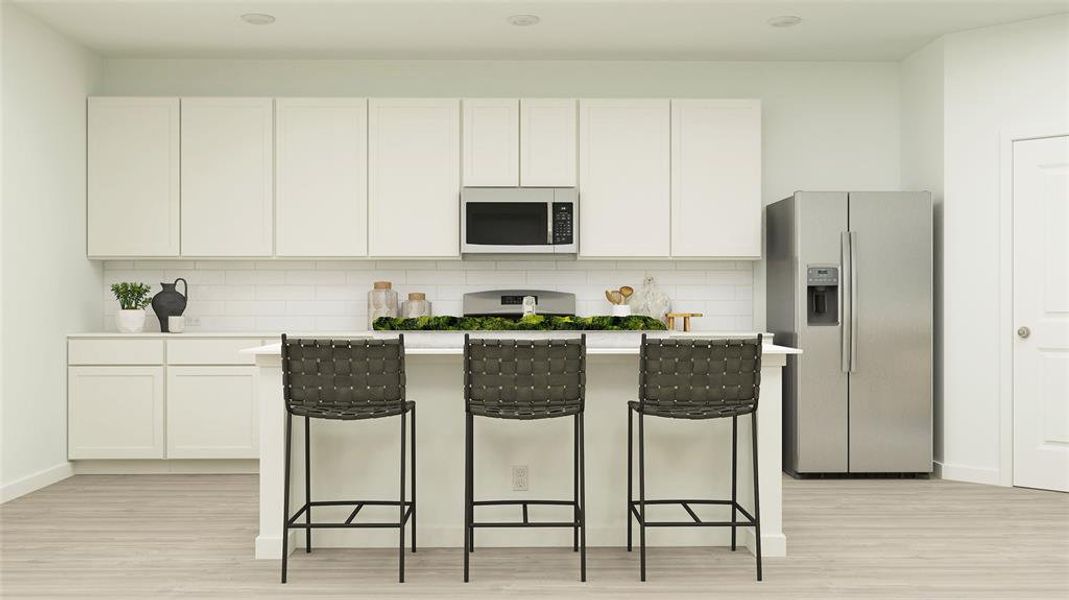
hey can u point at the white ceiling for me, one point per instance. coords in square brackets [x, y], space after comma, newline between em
[570, 29]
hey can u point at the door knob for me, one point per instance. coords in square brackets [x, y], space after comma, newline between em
[1023, 332]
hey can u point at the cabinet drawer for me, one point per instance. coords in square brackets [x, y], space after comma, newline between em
[114, 352]
[225, 351]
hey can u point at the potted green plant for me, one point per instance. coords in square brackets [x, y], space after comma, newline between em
[133, 298]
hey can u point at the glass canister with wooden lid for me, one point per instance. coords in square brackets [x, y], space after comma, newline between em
[381, 302]
[416, 306]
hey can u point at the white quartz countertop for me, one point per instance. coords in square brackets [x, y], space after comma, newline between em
[598, 342]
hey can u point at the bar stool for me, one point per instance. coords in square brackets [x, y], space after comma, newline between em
[695, 379]
[345, 380]
[526, 380]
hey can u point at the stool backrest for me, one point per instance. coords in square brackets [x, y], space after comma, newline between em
[337, 379]
[700, 378]
[525, 379]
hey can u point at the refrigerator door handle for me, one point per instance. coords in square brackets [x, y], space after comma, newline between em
[846, 260]
[853, 302]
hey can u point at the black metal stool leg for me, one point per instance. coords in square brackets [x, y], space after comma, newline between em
[413, 476]
[467, 493]
[286, 497]
[308, 484]
[471, 485]
[734, 479]
[642, 496]
[575, 483]
[756, 496]
[630, 469]
[582, 498]
[401, 510]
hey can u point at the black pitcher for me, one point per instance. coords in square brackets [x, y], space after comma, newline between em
[169, 302]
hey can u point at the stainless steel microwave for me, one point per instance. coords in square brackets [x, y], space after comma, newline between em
[518, 220]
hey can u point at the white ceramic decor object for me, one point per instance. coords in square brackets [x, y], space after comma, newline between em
[649, 300]
[621, 310]
[381, 302]
[130, 321]
[176, 324]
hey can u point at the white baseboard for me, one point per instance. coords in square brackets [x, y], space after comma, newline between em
[32, 483]
[986, 476]
[157, 467]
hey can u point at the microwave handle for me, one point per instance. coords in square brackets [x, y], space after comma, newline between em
[549, 224]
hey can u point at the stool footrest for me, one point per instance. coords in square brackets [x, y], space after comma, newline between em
[410, 506]
[695, 521]
[526, 521]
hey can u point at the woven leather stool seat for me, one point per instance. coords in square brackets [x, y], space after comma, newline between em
[344, 379]
[525, 379]
[698, 378]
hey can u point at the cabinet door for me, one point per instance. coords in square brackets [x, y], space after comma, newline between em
[624, 199]
[716, 178]
[491, 142]
[321, 173]
[212, 412]
[114, 412]
[132, 168]
[227, 171]
[414, 177]
[547, 142]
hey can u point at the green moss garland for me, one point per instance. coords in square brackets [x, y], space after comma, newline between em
[528, 323]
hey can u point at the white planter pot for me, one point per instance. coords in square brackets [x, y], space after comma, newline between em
[621, 310]
[130, 321]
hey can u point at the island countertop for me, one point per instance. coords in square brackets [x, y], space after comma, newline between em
[598, 342]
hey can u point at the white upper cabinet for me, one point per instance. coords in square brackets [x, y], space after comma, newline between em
[491, 142]
[547, 142]
[321, 177]
[414, 177]
[624, 178]
[716, 178]
[227, 173]
[132, 185]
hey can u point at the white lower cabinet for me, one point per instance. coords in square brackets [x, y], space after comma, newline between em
[212, 412]
[115, 412]
[162, 398]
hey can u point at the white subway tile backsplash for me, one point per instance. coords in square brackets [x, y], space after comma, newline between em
[556, 279]
[315, 277]
[285, 292]
[239, 277]
[496, 278]
[324, 295]
[254, 307]
[435, 277]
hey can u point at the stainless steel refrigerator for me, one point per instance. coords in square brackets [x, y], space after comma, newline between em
[849, 281]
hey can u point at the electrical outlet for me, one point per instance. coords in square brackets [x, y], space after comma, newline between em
[519, 478]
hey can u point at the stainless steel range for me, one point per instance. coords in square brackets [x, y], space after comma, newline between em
[510, 303]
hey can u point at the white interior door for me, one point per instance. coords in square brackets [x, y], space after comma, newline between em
[1041, 313]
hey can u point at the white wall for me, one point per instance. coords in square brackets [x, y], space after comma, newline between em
[922, 169]
[996, 80]
[49, 288]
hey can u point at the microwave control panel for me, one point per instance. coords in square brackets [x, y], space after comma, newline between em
[562, 222]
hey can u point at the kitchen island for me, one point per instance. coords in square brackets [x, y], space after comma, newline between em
[359, 459]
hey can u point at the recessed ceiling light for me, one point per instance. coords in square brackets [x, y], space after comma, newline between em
[524, 20]
[258, 18]
[785, 21]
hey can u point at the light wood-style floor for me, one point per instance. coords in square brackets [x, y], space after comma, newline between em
[169, 536]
